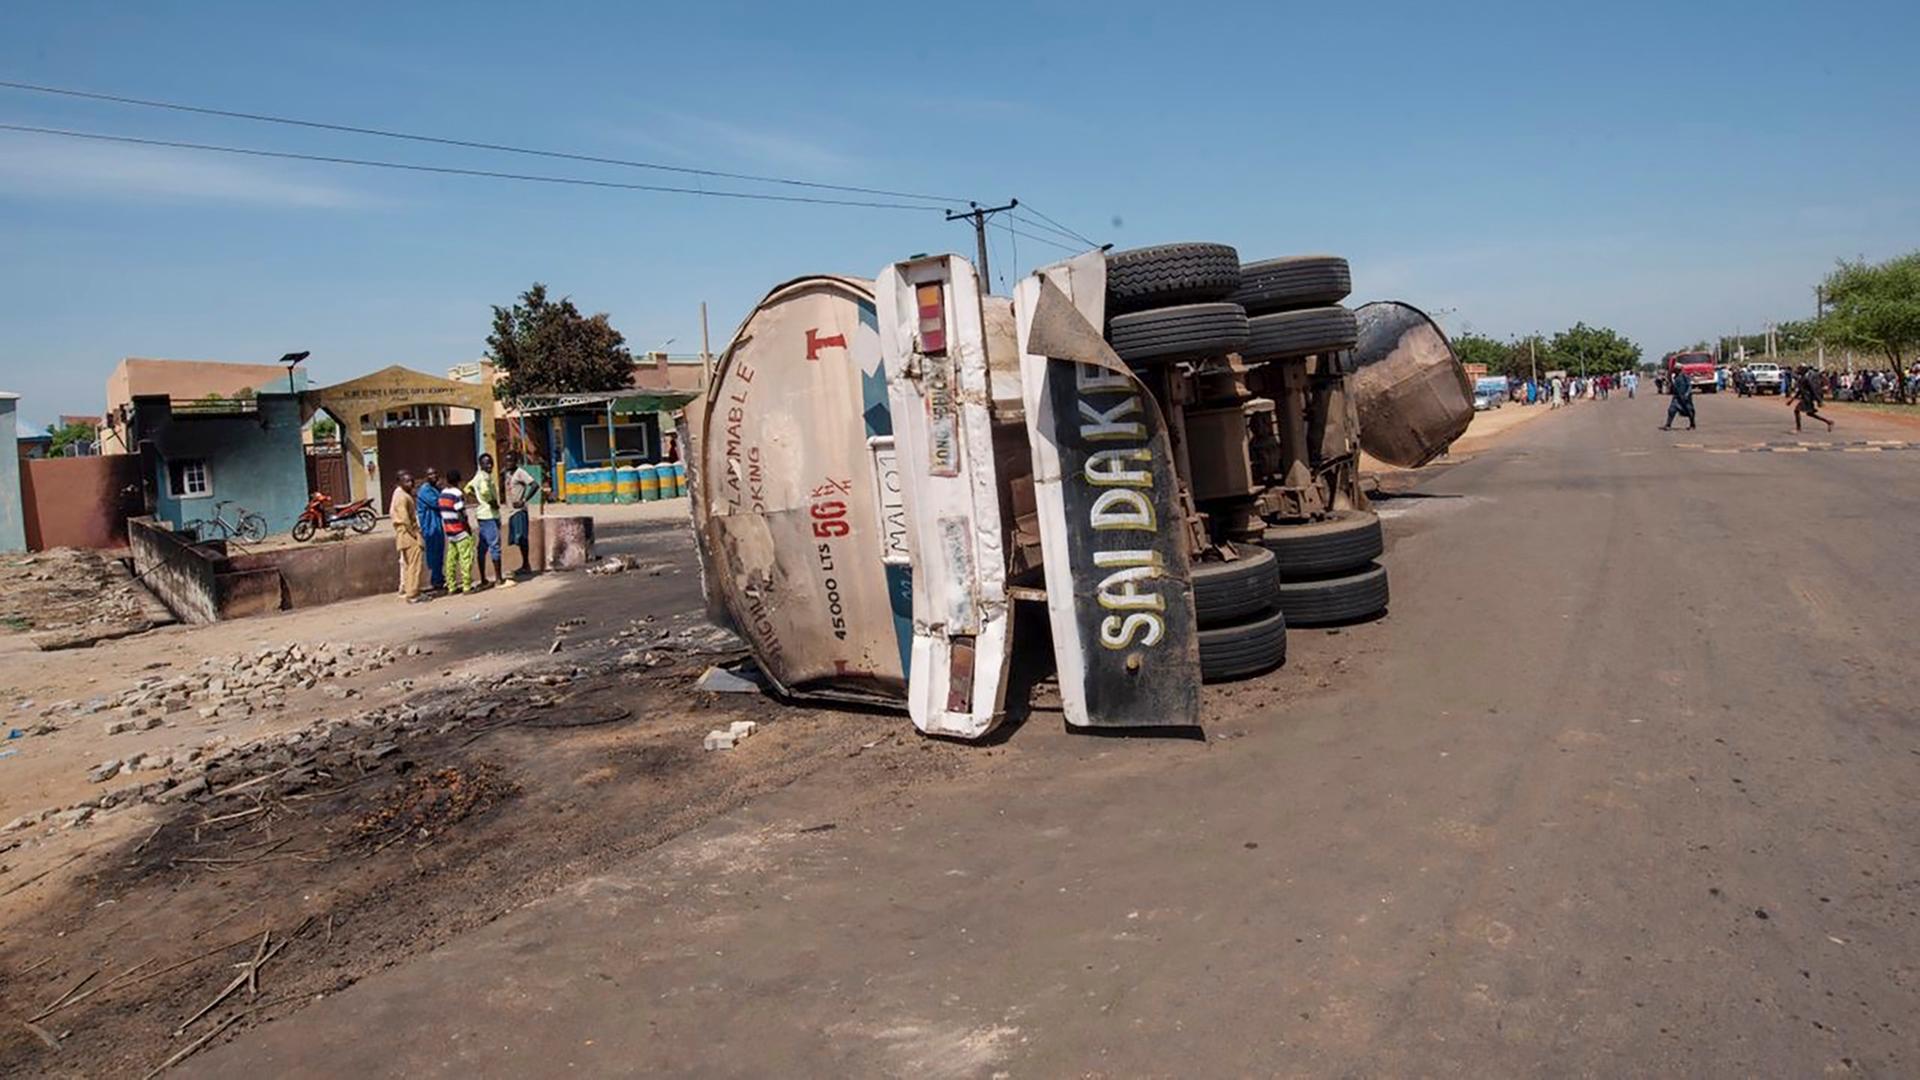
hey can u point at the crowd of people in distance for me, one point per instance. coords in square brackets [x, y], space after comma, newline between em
[446, 530]
[1556, 391]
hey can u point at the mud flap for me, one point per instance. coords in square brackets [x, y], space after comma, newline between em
[1119, 588]
[933, 342]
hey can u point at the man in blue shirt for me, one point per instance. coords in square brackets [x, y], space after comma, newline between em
[426, 505]
[1680, 385]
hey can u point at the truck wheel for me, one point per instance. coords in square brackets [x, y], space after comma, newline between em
[1285, 335]
[1254, 647]
[1168, 274]
[1345, 541]
[1293, 282]
[1189, 332]
[1335, 600]
[1225, 592]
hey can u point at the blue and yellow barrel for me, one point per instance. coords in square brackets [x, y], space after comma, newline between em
[679, 478]
[604, 482]
[649, 482]
[627, 483]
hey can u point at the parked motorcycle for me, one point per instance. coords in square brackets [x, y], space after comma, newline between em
[322, 513]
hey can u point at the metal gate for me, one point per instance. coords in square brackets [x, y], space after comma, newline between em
[415, 449]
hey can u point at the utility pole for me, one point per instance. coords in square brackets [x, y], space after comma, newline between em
[1532, 357]
[978, 215]
[1819, 311]
[706, 352]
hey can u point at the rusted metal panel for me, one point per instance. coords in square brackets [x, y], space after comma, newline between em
[792, 498]
[1410, 390]
[1119, 588]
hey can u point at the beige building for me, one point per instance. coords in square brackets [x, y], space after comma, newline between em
[185, 381]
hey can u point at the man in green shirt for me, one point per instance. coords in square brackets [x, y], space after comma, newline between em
[484, 495]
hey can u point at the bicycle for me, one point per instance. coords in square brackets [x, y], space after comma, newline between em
[246, 526]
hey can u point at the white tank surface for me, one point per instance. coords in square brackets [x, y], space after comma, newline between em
[802, 529]
[1411, 392]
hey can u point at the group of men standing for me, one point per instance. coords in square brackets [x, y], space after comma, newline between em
[444, 529]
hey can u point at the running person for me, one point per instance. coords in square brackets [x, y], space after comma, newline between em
[1806, 398]
[1680, 386]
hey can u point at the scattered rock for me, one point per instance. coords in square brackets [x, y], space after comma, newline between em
[718, 680]
[719, 740]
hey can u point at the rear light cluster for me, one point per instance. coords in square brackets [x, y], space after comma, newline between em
[932, 301]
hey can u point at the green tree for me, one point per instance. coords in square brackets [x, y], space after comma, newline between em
[1474, 348]
[325, 430]
[1592, 350]
[543, 346]
[67, 435]
[1876, 306]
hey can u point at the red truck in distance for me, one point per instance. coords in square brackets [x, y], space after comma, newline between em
[1699, 367]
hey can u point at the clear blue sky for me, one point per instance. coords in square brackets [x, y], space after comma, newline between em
[1673, 171]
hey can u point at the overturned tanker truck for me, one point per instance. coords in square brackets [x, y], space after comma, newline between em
[1160, 446]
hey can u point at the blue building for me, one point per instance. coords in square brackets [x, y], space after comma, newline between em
[197, 454]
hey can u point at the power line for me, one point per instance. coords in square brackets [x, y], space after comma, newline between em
[266, 118]
[1049, 229]
[449, 170]
[1014, 243]
[1062, 228]
[1044, 240]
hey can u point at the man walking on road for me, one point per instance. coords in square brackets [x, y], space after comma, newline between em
[426, 501]
[453, 519]
[1681, 403]
[521, 487]
[486, 516]
[407, 540]
[1806, 397]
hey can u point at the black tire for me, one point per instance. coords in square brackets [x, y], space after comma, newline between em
[1190, 332]
[1346, 541]
[253, 529]
[1169, 274]
[364, 521]
[303, 530]
[1294, 282]
[1226, 592]
[1254, 647]
[1332, 601]
[1285, 335]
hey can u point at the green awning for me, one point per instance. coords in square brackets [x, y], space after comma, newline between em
[619, 401]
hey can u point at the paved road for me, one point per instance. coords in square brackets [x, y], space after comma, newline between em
[1624, 785]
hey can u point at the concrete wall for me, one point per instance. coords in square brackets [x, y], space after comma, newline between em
[181, 576]
[255, 459]
[80, 502]
[328, 572]
[13, 529]
[187, 380]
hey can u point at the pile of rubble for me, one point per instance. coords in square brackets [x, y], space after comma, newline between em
[326, 753]
[229, 687]
[335, 750]
[70, 596]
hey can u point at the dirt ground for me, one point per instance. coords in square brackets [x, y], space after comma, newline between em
[115, 933]
[1581, 804]
[137, 909]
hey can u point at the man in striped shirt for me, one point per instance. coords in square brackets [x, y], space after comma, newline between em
[453, 521]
